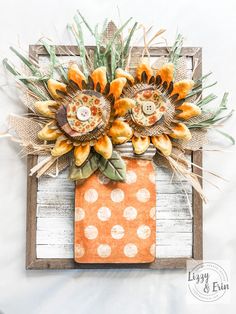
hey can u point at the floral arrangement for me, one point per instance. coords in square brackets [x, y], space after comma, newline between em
[85, 115]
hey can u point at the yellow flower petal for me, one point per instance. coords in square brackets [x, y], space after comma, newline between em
[116, 87]
[166, 72]
[81, 153]
[75, 75]
[62, 146]
[180, 131]
[46, 108]
[182, 88]
[99, 76]
[140, 144]
[163, 143]
[144, 67]
[120, 132]
[104, 147]
[189, 110]
[54, 86]
[49, 132]
[122, 106]
[121, 73]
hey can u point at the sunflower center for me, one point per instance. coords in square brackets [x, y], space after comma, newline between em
[85, 116]
[150, 107]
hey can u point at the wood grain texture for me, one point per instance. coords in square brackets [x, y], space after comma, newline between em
[50, 210]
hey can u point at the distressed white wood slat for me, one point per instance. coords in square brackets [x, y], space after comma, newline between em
[167, 187]
[174, 239]
[66, 251]
[55, 251]
[167, 251]
[55, 237]
[174, 225]
[162, 225]
[55, 211]
[173, 206]
[52, 224]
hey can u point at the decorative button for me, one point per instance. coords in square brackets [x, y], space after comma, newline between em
[83, 113]
[148, 107]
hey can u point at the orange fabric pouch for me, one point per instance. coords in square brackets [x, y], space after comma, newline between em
[115, 221]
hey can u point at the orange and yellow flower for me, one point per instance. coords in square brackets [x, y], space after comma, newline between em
[79, 114]
[153, 109]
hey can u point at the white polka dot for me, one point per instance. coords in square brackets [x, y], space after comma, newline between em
[130, 250]
[104, 213]
[143, 195]
[143, 232]
[91, 195]
[103, 179]
[143, 163]
[152, 177]
[79, 250]
[79, 214]
[104, 250]
[131, 177]
[152, 213]
[117, 232]
[91, 232]
[117, 195]
[153, 249]
[130, 213]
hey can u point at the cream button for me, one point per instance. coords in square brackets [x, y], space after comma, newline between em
[148, 107]
[83, 113]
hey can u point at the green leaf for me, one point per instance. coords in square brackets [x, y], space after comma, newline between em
[86, 169]
[176, 49]
[113, 168]
[26, 61]
[228, 136]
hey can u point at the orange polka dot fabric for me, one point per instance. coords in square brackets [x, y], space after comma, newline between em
[115, 221]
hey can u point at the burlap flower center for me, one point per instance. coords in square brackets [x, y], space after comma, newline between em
[150, 107]
[85, 116]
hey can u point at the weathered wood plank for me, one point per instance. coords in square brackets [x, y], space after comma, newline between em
[55, 251]
[174, 225]
[174, 239]
[164, 251]
[52, 224]
[66, 251]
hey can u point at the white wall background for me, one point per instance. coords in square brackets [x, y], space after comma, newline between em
[210, 24]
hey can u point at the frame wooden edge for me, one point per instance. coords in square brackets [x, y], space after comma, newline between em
[197, 158]
[34, 263]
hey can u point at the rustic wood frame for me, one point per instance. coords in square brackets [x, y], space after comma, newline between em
[32, 262]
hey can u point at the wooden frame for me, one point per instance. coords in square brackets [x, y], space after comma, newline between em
[32, 262]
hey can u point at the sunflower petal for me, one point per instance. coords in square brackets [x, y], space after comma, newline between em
[189, 110]
[104, 147]
[140, 144]
[144, 67]
[182, 88]
[166, 72]
[120, 132]
[116, 87]
[75, 75]
[61, 147]
[123, 105]
[99, 76]
[45, 108]
[54, 86]
[121, 73]
[163, 143]
[180, 131]
[81, 154]
[49, 132]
